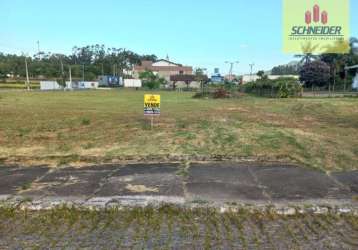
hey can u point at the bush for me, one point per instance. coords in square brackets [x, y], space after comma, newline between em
[218, 93]
[152, 84]
[280, 88]
[151, 80]
[221, 93]
[199, 95]
[85, 121]
[230, 86]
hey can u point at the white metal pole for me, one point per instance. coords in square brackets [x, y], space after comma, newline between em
[251, 66]
[70, 74]
[38, 49]
[83, 72]
[27, 75]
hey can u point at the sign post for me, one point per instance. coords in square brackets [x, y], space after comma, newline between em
[151, 107]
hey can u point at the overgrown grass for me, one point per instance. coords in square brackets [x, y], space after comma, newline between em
[40, 126]
[169, 227]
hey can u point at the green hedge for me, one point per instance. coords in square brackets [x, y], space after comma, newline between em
[280, 88]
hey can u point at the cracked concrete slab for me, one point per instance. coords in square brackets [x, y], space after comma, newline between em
[297, 183]
[14, 179]
[144, 179]
[215, 182]
[349, 179]
[216, 191]
[222, 181]
[68, 182]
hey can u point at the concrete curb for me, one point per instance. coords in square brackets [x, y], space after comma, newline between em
[119, 202]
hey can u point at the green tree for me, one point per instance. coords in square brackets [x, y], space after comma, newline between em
[316, 73]
[307, 53]
[285, 70]
[151, 80]
[338, 61]
[261, 74]
[97, 60]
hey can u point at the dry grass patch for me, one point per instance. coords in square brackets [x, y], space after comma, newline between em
[321, 133]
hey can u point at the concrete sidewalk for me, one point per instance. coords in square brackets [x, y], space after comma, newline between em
[143, 184]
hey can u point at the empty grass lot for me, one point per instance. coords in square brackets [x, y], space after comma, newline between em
[62, 127]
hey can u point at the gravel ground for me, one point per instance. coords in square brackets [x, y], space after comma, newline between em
[170, 227]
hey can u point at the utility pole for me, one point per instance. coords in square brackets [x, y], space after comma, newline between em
[115, 69]
[63, 75]
[345, 77]
[251, 66]
[38, 49]
[27, 75]
[70, 74]
[83, 72]
[231, 68]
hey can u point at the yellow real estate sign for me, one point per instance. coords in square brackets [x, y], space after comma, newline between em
[151, 104]
[319, 26]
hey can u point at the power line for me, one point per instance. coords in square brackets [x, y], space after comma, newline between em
[251, 66]
[231, 68]
[27, 75]
[38, 49]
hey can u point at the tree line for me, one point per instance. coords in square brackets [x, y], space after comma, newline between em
[327, 70]
[86, 62]
[285, 70]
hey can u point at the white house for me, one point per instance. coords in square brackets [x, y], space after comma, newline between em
[88, 85]
[163, 68]
[132, 83]
[50, 85]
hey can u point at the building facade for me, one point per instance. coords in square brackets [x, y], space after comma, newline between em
[163, 68]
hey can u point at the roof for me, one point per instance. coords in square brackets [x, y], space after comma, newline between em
[148, 65]
[164, 60]
[163, 68]
[182, 78]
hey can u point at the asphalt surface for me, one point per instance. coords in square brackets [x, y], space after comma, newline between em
[177, 183]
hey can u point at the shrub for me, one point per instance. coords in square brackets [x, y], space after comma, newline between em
[85, 121]
[151, 80]
[280, 88]
[201, 95]
[221, 93]
[152, 84]
[288, 89]
[218, 93]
